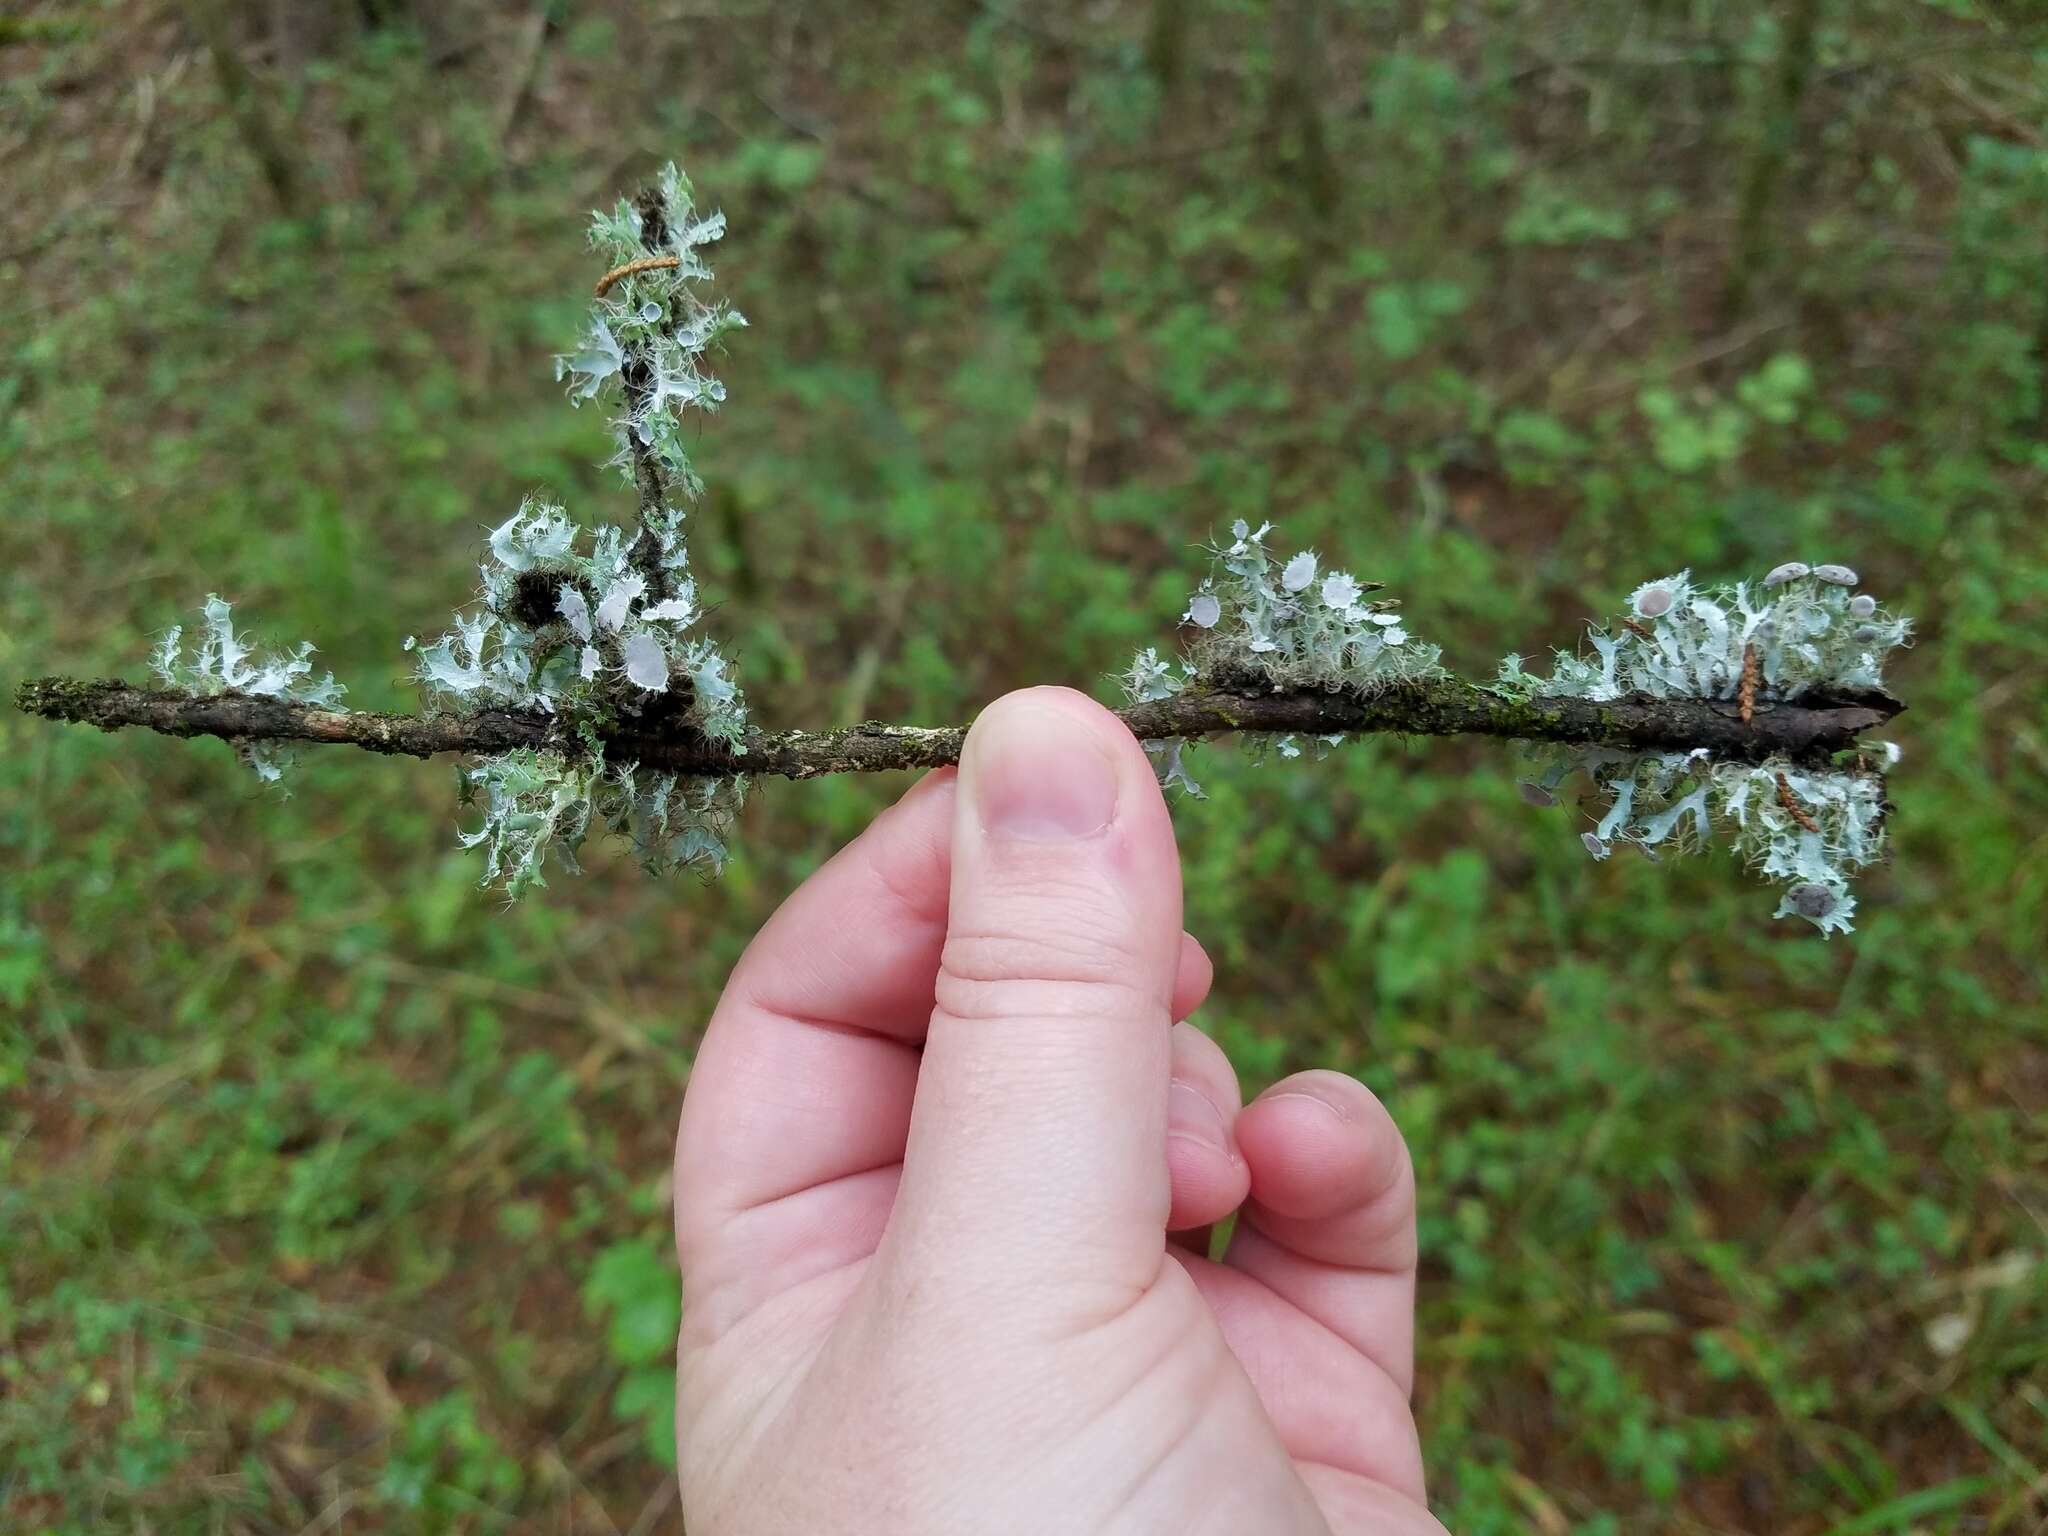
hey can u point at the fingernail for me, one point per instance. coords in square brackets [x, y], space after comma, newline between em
[1189, 1113]
[1329, 1106]
[1039, 774]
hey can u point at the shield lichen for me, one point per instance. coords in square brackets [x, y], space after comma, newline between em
[1259, 621]
[1802, 630]
[1293, 625]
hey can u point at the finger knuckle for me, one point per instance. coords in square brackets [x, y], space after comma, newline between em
[986, 974]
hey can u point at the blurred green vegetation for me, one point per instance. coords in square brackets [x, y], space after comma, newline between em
[334, 1194]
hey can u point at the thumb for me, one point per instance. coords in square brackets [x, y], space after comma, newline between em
[1037, 1133]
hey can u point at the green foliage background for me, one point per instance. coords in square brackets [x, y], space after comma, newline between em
[334, 1196]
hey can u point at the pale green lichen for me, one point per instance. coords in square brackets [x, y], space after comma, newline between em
[1290, 624]
[534, 803]
[658, 317]
[1149, 680]
[225, 662]
[569, 621]
[1296, 625]
[1683, 801]
[540, 804]
[570, 625]
[1806, 630]
[673, 821]
[594, 625]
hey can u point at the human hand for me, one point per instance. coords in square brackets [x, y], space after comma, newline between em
[944, 1180]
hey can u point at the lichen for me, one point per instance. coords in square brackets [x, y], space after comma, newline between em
[225, 662]
[654, 326]
[599, 628]
[1259, 620]
[673, 821]
[593, 625]
[538, 805]
[1832, 827]
[568, 623]
[1149, 680]
[1805, 628]
[533, 803]
[1802, 629]
[1296, 625]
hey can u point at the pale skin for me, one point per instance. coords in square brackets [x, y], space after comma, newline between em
[947, 1166]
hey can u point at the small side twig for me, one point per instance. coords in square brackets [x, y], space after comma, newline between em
[1792, 806]
[627, 269]
[637, 377]
[521, 78]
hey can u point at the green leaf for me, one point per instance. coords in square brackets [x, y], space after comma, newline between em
[1903, 1512]
[649, 1394]
[1776, 390]
[635, 1285]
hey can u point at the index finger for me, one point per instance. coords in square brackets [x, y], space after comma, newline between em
[807, 1067]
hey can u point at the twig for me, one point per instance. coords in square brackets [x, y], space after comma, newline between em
[1792, 806]
[627, 269]
[253, 110]
[1808, 731]
[637, 376]
[532, 45]
[657, 1505]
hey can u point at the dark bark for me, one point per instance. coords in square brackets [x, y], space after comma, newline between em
[1296, 105]
[1809, 731]
[1778, 137]
[254, 112]
[1166, 43]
